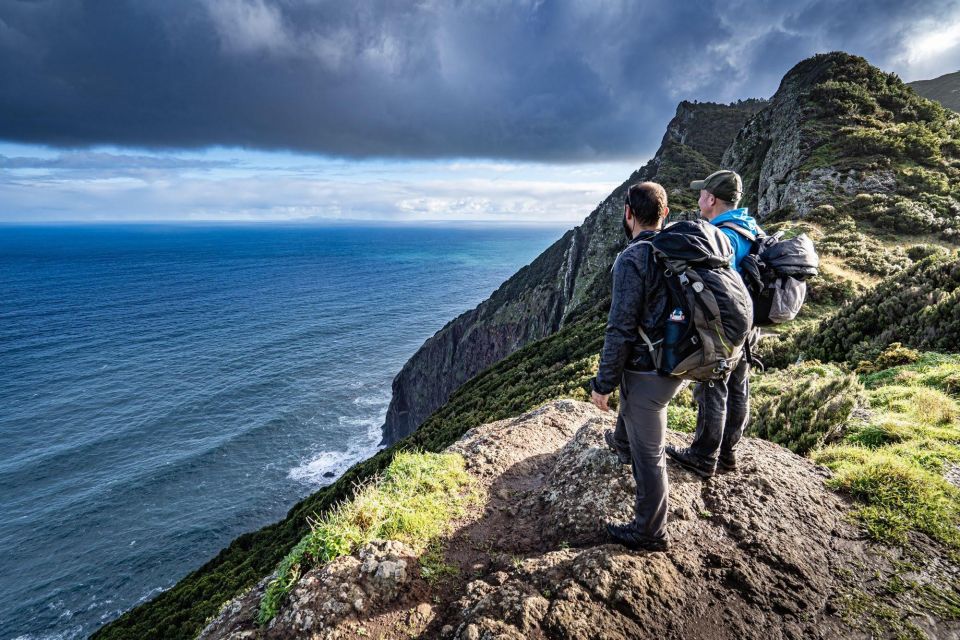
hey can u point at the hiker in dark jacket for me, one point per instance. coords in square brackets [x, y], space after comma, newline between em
[723, 406]
[640, 300]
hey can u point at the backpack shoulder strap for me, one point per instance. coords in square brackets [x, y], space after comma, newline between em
[752, 237]
[652, 248]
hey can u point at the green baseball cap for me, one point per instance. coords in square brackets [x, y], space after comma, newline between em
[724, 184]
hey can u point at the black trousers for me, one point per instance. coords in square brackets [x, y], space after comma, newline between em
[723, 409]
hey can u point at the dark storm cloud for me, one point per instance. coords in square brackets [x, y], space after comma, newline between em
[538, 80]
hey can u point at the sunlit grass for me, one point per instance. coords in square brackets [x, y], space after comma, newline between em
[413, 501]
[893, 462]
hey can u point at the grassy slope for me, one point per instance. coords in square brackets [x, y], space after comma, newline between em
[890, 430]
[413, 502]
[919, 307]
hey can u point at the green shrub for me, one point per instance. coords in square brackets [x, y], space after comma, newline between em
[680, 418]
[835, 98]
[841, 237]
[828, 290]
[894, 355]
[920, 308]
[920, 251]
[805, 405]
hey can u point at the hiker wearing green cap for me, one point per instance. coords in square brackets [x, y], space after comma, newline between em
[723, 406]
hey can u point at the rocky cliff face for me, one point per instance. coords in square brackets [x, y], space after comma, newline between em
[771, 152]
[564, 281]
[838, 128]
[766, 552]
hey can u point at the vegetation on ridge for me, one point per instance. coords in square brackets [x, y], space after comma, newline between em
[920, 308]
[413, 502]
[854, 121]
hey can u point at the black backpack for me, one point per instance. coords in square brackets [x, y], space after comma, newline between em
[711, 308]
[775, 273]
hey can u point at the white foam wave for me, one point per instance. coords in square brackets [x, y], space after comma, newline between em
[323, 463]
[362, 424]
[325, 466]
[372, 400]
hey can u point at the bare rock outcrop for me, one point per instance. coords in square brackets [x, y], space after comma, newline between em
[755, 554]
[328, 601]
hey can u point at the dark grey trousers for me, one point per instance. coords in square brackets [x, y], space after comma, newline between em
[642, 426]
[723, 408]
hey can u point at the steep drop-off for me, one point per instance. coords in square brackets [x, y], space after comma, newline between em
[767, 552]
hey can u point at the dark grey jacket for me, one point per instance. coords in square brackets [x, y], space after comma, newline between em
[639, 298]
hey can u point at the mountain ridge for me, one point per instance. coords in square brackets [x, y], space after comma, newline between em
[944, 89]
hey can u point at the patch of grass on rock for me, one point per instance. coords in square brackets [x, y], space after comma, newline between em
[413, 501]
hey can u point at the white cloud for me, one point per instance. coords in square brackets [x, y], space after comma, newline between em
[284, 187]
[931, 49]
[249, 26]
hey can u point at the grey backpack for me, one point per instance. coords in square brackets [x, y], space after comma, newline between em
[775, 273]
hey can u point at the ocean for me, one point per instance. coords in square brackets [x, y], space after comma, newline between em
[165, 388]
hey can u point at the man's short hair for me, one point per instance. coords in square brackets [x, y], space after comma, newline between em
[648, 202]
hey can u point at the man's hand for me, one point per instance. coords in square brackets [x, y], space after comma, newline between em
[600, 400]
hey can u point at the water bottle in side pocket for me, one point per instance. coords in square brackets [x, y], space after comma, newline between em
[676, 325]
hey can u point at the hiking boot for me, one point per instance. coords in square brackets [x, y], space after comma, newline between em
[727, 462]
[622, 456]
[628, 536]
[690, 462]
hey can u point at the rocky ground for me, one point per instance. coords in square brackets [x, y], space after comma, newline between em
[764, 552]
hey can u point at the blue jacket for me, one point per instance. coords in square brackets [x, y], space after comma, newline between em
[741, 218]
